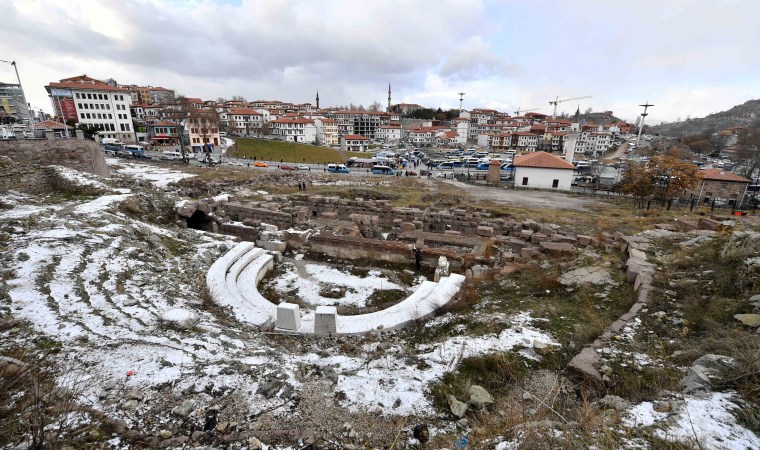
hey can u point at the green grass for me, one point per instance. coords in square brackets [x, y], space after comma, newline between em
[359, 154]
[286, 151]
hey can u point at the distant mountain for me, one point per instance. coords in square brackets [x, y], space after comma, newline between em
[744, 114]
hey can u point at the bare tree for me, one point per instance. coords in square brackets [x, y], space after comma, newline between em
[238, 98]
[375, 106]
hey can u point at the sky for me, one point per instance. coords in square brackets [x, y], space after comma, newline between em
[688, 58]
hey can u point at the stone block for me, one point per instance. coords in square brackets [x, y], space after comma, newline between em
[485, 231]
[407, 226]
[561, 238]
[526, 234]
[325, 320]
[708, 224]
[538, 238]
[274, 246]
[637, 266]
[288, 317]
[584, 239]
[329, 215]
[558, 247]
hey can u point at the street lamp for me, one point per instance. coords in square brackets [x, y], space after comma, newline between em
[28, 109]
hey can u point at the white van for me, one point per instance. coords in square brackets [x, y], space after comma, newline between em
[171, 156]
[134, 147]
[111, 141]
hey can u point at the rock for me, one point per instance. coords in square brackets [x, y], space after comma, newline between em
[421, 433]
[705, 371]
[751, 320]
[254, 443]
[606, 370]
[586, 363]
[184, 409]
[613, 402]
[130, 404]
[479, 397]
[541, 347]
[135, 395]
[180, 318]
[662, 407]
[165, 434]
[459, 409]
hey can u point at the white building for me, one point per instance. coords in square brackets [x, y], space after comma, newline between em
[295, 130]
[389, 133]
[354, 143]
[243, 121]
[541, 170]
[97, 103]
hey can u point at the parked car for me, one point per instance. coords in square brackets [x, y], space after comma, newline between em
[260, 164]
[287, 167]
[302, 167]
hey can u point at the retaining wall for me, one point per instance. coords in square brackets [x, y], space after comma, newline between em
[77, 154]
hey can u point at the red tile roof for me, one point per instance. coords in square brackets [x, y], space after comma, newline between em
[164, 123]
[543, 160]
[83, 82]
[292, 120]
[722, 175]
[355, 137]
[49, 124]
[244, 112]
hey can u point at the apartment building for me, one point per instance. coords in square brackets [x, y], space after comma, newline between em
[243, 121]
[327, 131]
[388, 133]
[96, 103]
[295, 129]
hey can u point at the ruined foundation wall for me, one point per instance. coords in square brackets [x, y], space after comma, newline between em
[74, 153]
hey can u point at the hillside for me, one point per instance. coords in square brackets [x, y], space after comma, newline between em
[743, 114]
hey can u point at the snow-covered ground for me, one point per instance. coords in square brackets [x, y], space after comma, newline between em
[705, 421]
[159, 176]
[97, 281]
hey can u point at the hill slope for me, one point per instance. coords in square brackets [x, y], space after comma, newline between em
[743, 114]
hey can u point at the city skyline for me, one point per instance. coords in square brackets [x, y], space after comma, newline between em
[504, 55]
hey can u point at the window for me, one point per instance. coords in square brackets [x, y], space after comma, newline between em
[525, 181]
[555, 184]
[127, 127]
[77, 95]
[79, 105]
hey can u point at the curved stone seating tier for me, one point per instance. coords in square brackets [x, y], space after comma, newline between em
[244, 264]
[232, 281]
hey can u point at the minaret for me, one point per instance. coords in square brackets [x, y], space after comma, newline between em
[317, 99]
[389, 97]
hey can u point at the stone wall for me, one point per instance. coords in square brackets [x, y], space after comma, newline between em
[74, 153]
[24, 178]
[352, 247]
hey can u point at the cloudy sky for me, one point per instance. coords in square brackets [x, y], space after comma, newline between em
[689, 58]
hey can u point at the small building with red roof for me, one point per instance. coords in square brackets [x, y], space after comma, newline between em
[354, 143]
[541, 170]
[721, 186]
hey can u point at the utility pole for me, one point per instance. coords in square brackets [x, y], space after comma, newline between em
[23, 96]
[461, 98]
[641, 126]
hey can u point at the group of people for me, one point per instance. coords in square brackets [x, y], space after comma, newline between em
[301, 186]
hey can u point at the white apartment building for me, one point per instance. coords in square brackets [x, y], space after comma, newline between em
[243, 121]
[97, 103]
[389, 133]
[295, 129]
[327, 131]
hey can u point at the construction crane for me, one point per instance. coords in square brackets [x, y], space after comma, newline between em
[557, 101]
[517, 113]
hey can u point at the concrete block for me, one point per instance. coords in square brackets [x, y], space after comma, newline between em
[288, 317]
[558, 247]
[708, 224]
[324, 320]
[485, 231]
